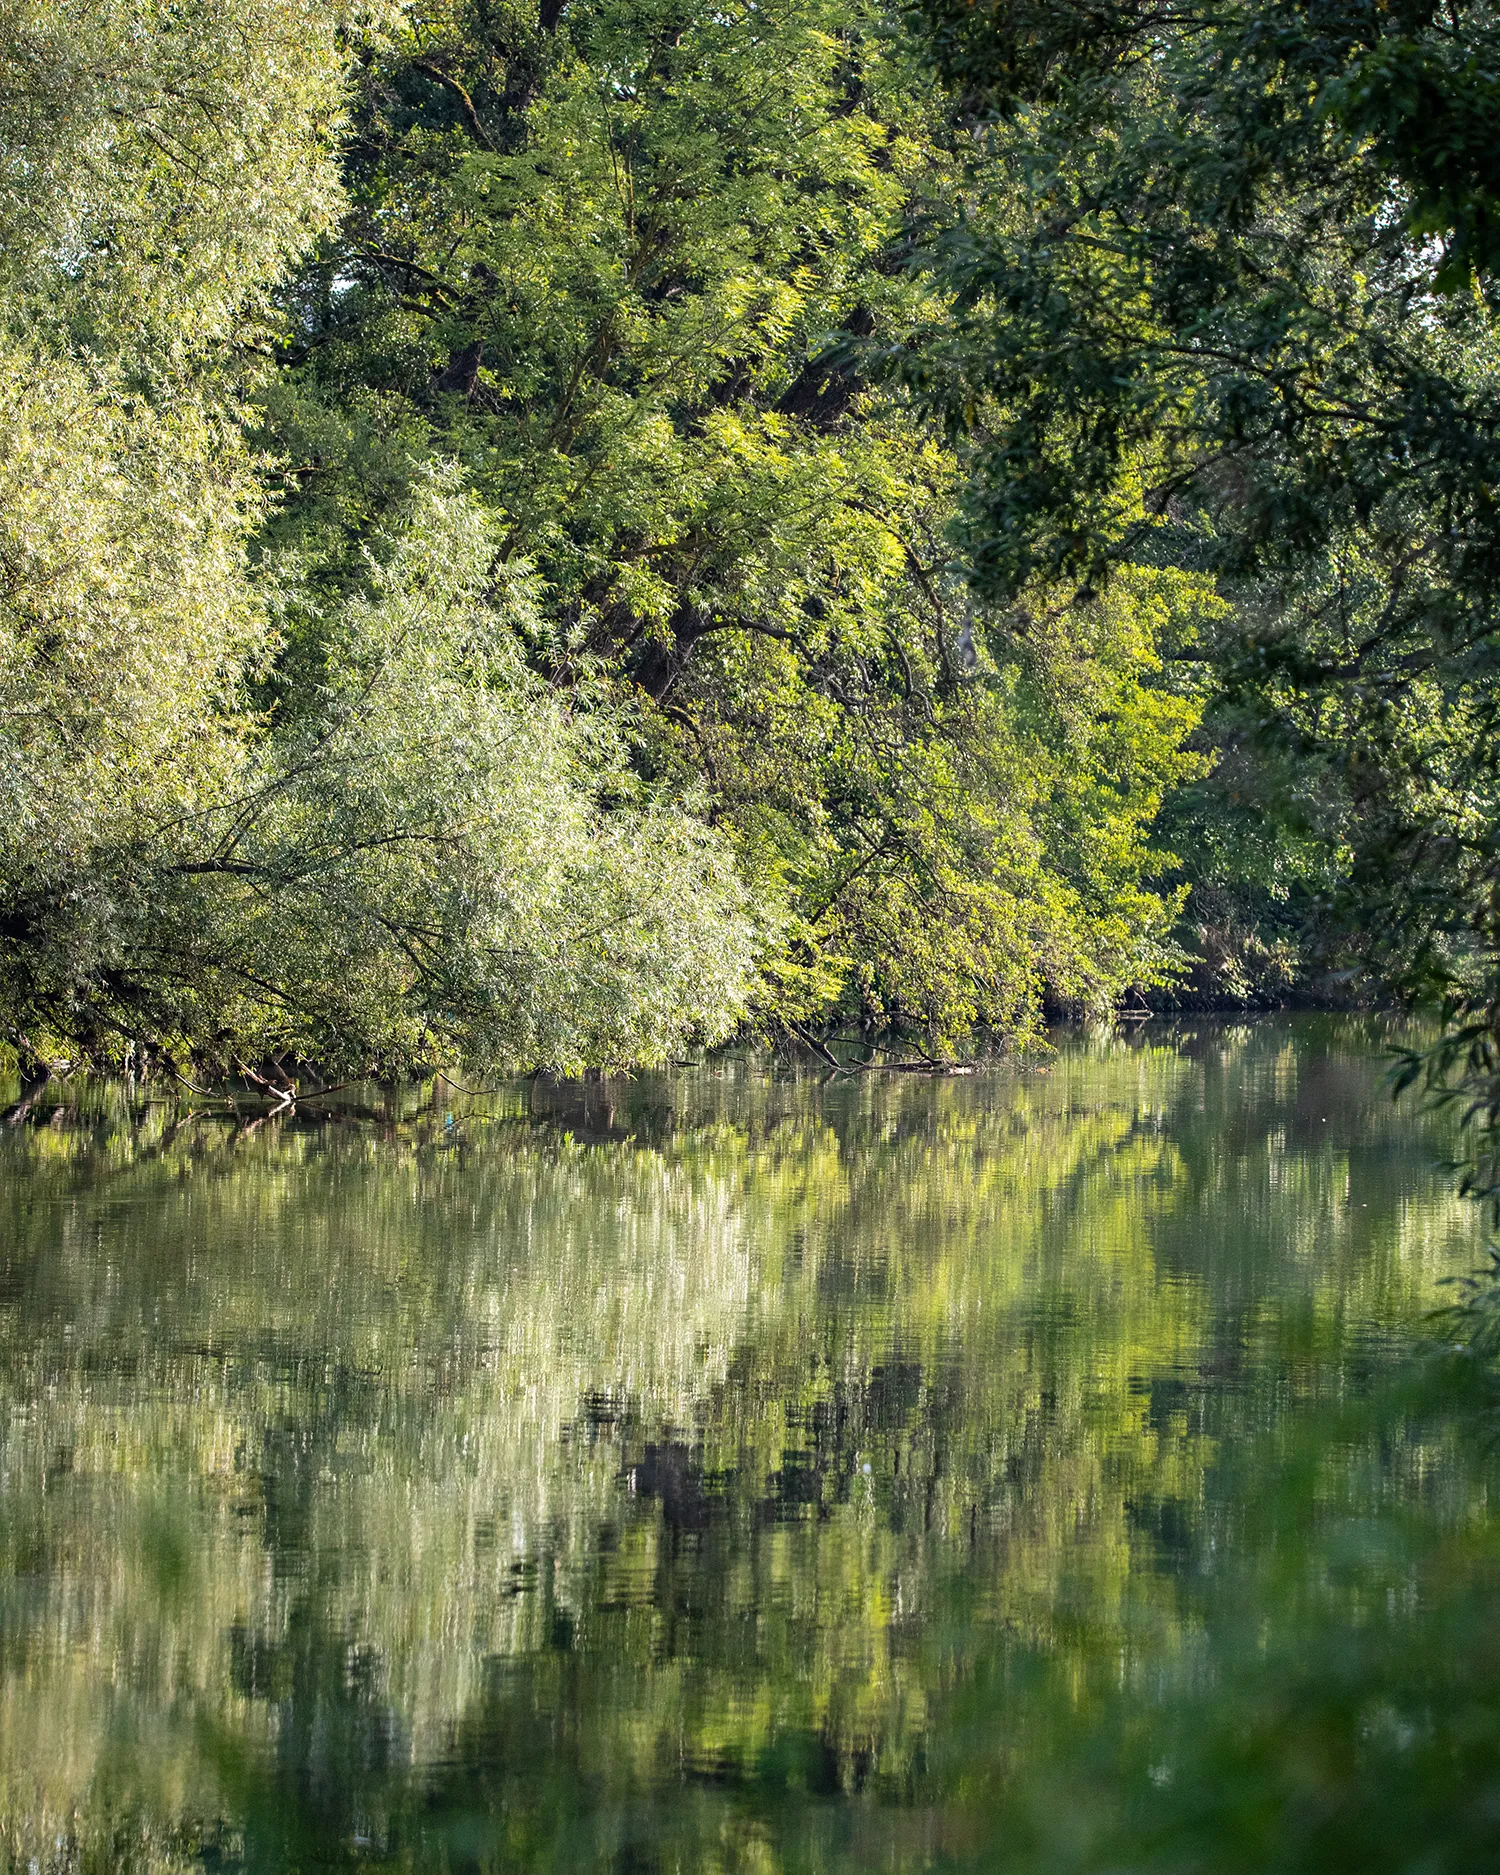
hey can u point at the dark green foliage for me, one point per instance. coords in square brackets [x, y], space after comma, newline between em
[1221, 300]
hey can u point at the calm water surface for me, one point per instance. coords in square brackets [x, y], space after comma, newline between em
[730, 1470]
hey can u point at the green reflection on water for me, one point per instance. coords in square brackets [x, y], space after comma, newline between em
[733, 1471]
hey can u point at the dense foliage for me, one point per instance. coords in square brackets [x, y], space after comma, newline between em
[1224, 300]
[461, 606]
[413, 850]
[599, 263]
[532, 537]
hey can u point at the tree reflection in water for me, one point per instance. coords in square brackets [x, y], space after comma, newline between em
[734, 1470]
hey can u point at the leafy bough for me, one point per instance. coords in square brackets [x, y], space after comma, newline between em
[432, 861]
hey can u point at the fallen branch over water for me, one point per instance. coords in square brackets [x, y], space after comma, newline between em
[923, 1064]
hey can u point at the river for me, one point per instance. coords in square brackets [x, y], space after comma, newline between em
[1051, 1468]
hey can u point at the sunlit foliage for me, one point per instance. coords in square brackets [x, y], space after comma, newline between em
[602, 260]
[412, 852]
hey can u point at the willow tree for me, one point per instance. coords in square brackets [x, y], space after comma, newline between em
[415, 852]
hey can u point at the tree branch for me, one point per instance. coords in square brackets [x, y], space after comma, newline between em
[452, 84]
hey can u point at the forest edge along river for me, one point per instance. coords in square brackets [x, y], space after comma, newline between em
[754, 1470]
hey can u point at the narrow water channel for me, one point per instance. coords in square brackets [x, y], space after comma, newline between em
[740, 1470]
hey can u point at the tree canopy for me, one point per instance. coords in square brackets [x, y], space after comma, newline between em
[209, 857]
[601, 265]
[1220, 296]
[534, 537]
